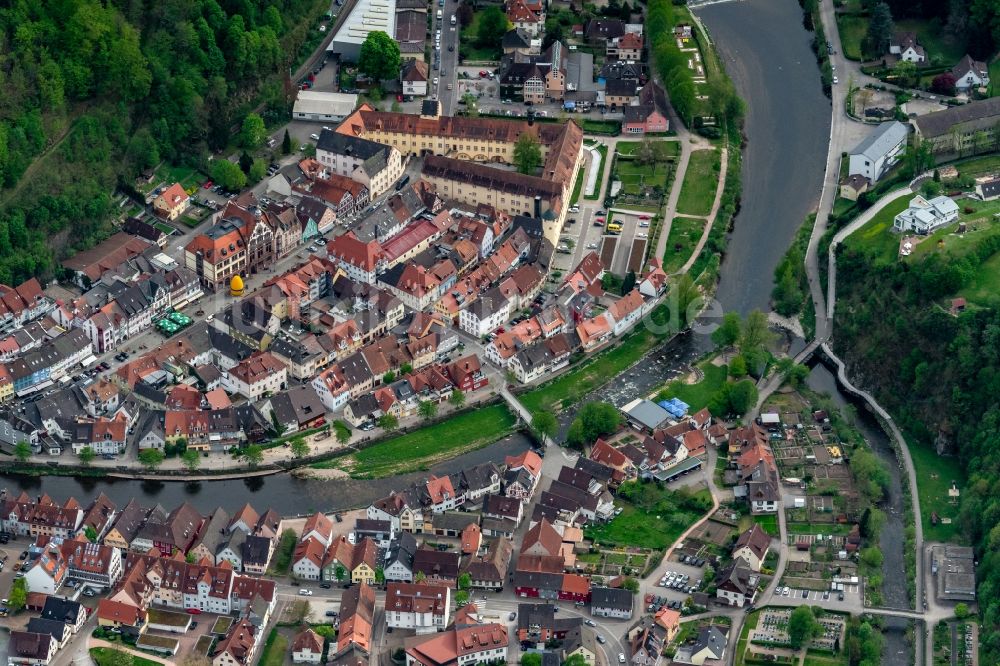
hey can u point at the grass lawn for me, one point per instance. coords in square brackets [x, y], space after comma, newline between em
[652, 528]
[852, 32]
[594, 372]
[980, 224]
[700, 394]
[985, 286]
[186, 176]
[824, 660]
[426, 446]
[602, 150]
[672, 148]
[934, 477]
[635, 176]
[102, 656]
[273, 653]
[768, 522]
[741, 644]
[468, 42]
[685, 232]
[876, 234]
[835, 529]
[700, 181]
[165, 228]
[982, 165]
[578, 186]
[611, 127]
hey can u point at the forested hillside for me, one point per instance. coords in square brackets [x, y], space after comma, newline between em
[94, 92]
[939, 375]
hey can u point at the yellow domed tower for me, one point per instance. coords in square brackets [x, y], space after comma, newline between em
[236, 286]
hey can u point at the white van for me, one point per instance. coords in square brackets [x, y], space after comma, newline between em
[453, 20]
[439, 15]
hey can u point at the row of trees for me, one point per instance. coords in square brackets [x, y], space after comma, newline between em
[671, 65]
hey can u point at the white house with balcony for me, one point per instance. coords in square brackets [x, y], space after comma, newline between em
[926, 216]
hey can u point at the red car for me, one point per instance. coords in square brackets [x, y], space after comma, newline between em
[644, 217]
[483, 73]
[207, 184]
[194, 611]
[600, 219]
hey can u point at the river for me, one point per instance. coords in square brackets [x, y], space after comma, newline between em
[766, 52]
[285, 493]
[898, 650]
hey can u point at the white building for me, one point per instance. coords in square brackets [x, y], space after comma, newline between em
[307, 648]
[333, 389]
[879, 152]
[375, 165]
[254, 378]
[485, 315]
[970, 74]
[366, 16]
[422, 607]
[323, 106]
[924, 217]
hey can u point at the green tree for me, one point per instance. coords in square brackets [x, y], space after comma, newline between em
[802, 626]
[457, 398]
[592, 421]
[286, 144]
[343, 434]
[151, 458]
[630, 584]
[737, 367]
[253, 132]
[86, 456]
[962, 610]
[245, 162]
[575, 660]
[339, 572]
[22, 451]
[742, 396]
[754, 340]
[427, 409]
[905, 73]
[729, 330]
[191, 460]
[872, 558]
[531, 659]
[379, 57]
[527, 154]
[90, 533]
[493, 25]
[253, 455]
[405, 369]
[788, 296]
[18, 595]
[300, 448]
[257, 171]
[461, 598]
[228, 175]
[420, 577]
[544, 424]
[880, 29]
[685, 295]
[464, 581]
[388, 422]
[389, 377]
[628, 284]
[379, 575]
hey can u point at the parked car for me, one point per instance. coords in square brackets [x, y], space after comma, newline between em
[325, 585]
[305, 593]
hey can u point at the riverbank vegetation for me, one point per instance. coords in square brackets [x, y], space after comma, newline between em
[420, 449]
[129, 86]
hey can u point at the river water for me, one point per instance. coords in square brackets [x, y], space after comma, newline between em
[766, 52]
[285, 493]
[898, 650]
